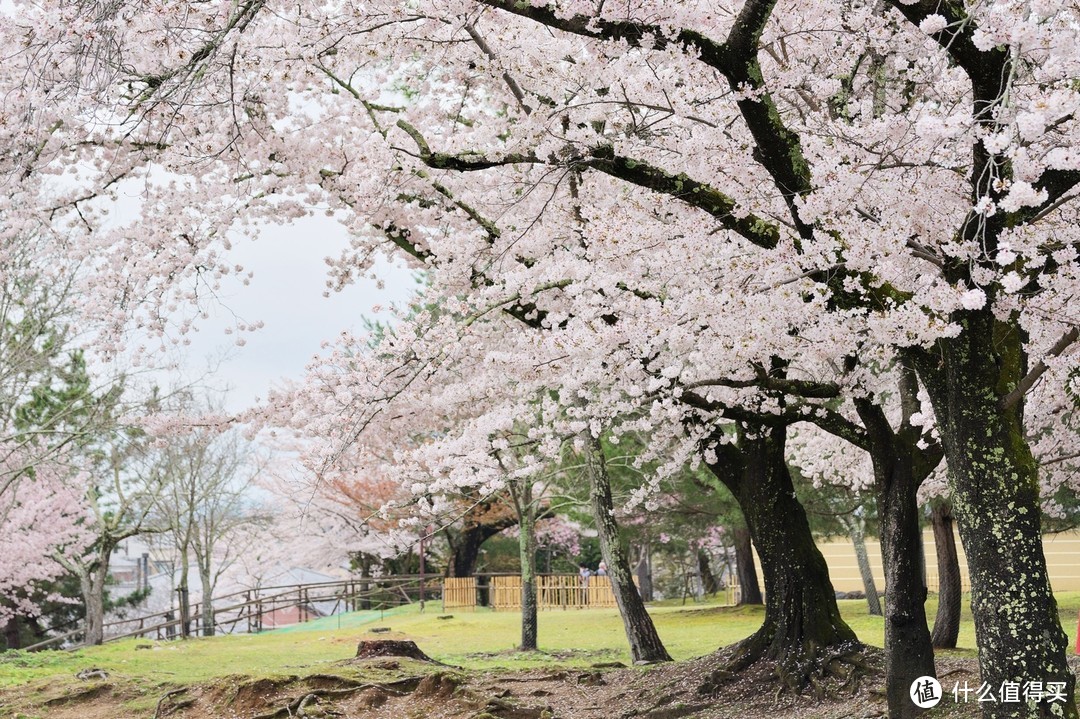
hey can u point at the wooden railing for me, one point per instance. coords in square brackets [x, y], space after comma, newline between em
[247, 610]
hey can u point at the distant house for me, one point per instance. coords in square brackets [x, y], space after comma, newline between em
[286, 610]
[287, 616]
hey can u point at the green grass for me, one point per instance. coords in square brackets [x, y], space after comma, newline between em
[478, 640]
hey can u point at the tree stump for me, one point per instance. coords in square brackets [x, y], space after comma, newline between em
[371, 648]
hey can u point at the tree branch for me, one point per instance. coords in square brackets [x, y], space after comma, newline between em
[801, 388]
[1025, 384]
[755, 229]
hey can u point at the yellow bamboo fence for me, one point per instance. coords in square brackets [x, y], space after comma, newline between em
[459, 593]
[505, 593]
[554, 591]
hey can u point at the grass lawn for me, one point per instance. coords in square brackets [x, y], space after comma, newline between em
[478, 640]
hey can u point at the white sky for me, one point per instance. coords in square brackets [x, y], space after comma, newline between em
[286, 293]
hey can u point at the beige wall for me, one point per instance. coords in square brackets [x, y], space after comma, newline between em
[1062, 557]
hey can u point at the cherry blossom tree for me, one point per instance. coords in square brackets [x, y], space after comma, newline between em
[41, 520]
[49, 403]
[711, 222]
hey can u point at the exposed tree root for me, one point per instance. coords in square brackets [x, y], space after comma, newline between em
[163, 710]
[296, 706]
[821, 670]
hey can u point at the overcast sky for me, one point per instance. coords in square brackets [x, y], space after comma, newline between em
[287, 295]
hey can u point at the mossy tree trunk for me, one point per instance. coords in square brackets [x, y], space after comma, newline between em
[995, 489]
[803, 631]
[645, 644]
[206, 605]
[947, 621]
[92, 583]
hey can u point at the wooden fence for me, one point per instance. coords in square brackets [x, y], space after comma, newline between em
[459, 593]
[554, 591]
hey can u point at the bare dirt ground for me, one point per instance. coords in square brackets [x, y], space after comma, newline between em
[402, 688]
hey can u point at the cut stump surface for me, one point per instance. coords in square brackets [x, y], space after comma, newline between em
[371, 648]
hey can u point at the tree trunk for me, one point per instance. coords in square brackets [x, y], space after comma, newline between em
[365, 583]
[709, 583]
[899, 468]
[908, 653]
[464, 552]
[522, 495]
[995, 489]
[207, 604]
[12, 635]
[480, 525]
[644, 572]
[803, 631]
[749, 588]
[947, 621]
[857, 531]
[92, 583]
[645, 644]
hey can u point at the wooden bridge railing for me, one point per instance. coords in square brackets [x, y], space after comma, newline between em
[247, 610]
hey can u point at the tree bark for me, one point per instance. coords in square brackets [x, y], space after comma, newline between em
[12, 635]
[364, 561]
[644, 572]
[995, 489]
[947, 621]
[709, 583]
[526, 509]
[207, 604]
[479, 525]
[857, 532]
[645, 644]
[899, 468]
[803, 631]
[92, 583]
[749, 587]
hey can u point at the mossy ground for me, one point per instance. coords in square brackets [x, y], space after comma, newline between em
[142, 671]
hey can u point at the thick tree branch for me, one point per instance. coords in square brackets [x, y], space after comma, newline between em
[511, 83]
[723, 208]
[633, 33]
[777, 148]
[756, 230]
[799, 388]
[1029, 380]
[985, 68]
[466, 162]
[837, 425]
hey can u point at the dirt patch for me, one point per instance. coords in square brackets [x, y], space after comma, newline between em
[69, 700]
[80, 694]
[416, 690]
